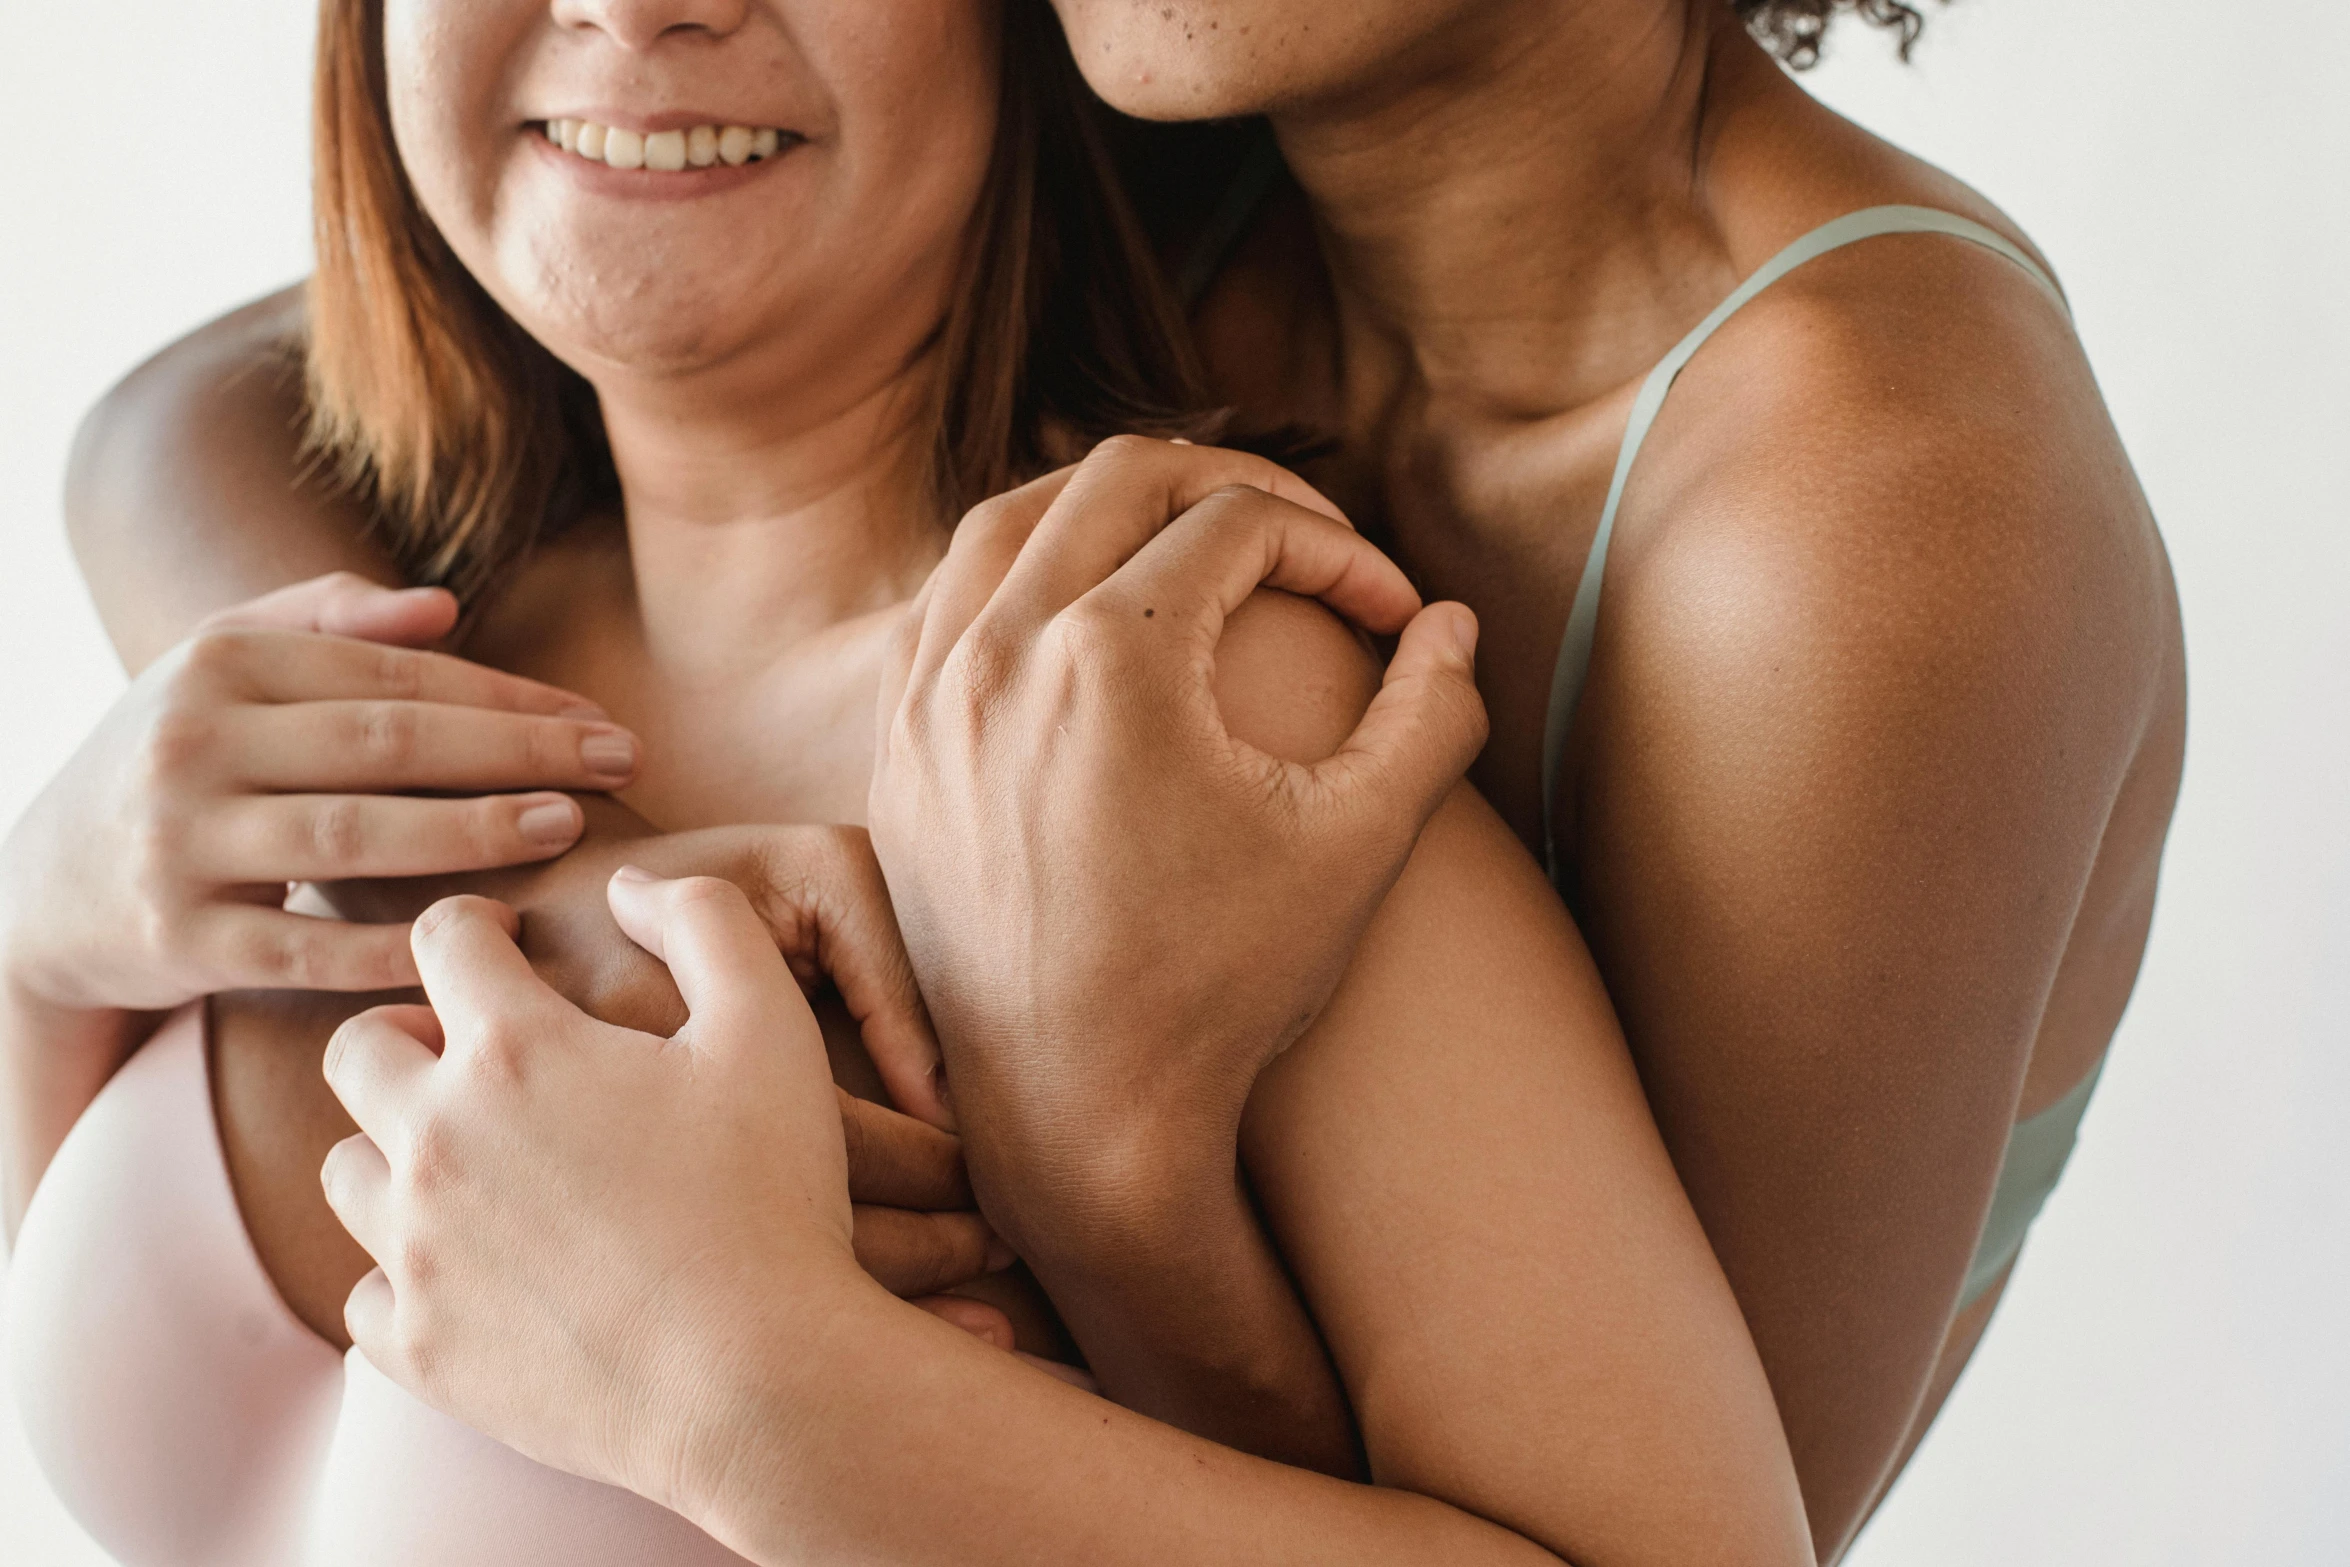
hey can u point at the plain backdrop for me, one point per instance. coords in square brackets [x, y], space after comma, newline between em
[2169, 1378]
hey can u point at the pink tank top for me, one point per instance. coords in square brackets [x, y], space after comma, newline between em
[189, 1419]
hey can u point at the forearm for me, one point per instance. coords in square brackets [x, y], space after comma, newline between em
[865, 1447]
[188, 492]
[1166, 1278]
[56, 1060]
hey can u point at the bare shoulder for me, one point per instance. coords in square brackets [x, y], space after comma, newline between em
[1291, 677]
[1888, 489]
[187, 490]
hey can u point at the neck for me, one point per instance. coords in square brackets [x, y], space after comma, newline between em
[1513, 223]
[756, 520]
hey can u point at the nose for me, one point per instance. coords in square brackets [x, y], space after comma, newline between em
[639, 24]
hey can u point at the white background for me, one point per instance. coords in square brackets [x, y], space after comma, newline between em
[2169, 1379]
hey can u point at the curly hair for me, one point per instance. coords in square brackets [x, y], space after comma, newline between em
[1792, 29]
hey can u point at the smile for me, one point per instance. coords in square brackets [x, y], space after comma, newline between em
[667, 152]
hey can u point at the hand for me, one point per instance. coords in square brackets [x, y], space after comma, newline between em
[580, 1227]
[1119, 911]
[819, 892]
[281, 744]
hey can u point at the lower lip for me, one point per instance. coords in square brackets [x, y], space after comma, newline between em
[687, 184]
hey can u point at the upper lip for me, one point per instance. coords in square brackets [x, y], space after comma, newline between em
[647, 124]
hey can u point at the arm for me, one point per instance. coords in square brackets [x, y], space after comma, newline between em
[1862, 711]
[187, 492]
[1558, 1374]
[186, 496]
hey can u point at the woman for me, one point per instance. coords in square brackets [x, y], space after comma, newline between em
[784, 377]
[1863, 796]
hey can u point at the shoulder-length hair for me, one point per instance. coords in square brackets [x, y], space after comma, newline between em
[470, 441]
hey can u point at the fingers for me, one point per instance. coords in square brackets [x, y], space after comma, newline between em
[1424, 728]
[367, 1317]
[1117, 500]
[1210, 559]
[721, 954]
[287, 666]
[341, 837]
[987, 542]
[377, 1063]
[345, 604]
[975, 1317]
[357, 1180]
[337, 745]
[897, 1160]
[252, 948]
[471, 968]
[912, 1253]
[840, 890]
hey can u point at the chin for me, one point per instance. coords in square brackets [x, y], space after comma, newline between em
[1146, 61]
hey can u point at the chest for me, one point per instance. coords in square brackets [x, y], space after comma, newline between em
[753, 732]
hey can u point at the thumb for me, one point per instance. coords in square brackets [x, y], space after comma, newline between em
[720, 953]
[1422, 730]
[345, 604]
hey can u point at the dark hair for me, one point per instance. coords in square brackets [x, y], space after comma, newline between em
[1792, 29]
[470, 441]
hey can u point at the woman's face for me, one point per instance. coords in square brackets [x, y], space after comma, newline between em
[680, 248]
[1209, 59]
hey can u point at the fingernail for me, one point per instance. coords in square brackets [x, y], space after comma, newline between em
[609, 754]
[1464, 632]
[585, 710]
[1000, 1256]
[632, 873]
[550, 824]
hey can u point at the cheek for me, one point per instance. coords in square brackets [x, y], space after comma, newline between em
[442, 65]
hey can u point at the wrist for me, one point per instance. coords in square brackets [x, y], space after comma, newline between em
[1101, 1189]
[729, 1405]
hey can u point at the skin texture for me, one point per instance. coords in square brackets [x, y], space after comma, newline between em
[1866, 795]
[1883, 518]
[729, 624]
[262, 751]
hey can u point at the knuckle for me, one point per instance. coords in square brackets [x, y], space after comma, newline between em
[983, 666]
[179, 741]
[982, 522]
[1120, 450]
[385, 735]
[337, 833]
[429, 1159]
[397, 673]
[415, 1262]
[216, 654]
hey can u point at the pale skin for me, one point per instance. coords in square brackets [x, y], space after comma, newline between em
[1841, 984]
[748, 622]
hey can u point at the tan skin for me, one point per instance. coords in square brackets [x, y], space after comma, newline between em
[1884, 516]
[1595, 1400]
[1867, 792]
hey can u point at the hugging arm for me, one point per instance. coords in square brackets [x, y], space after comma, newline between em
[187, 490]
[1456, 1158]
[186, 498]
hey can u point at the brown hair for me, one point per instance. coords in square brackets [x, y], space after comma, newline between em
[470, 440]
[1792, 29]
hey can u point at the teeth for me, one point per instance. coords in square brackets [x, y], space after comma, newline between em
[665, 152]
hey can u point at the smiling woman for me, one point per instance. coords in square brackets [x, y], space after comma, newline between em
[694, 444]
[437, 400]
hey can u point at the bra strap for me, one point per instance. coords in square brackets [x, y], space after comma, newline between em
[1574, 659]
